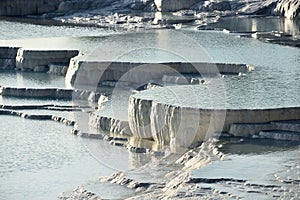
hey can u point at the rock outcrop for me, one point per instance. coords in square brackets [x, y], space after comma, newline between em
[288, 8]
[61, 7]
[50, 9]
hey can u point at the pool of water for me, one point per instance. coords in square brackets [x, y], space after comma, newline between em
[40, 159]
[41, 162]
[273, 83]
[31, 80]
[26, 29]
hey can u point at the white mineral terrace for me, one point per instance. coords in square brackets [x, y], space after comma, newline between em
[187, 102]
[166, 122]
[37, 60]
[95, 72]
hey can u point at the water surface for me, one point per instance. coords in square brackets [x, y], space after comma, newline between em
[40, 159]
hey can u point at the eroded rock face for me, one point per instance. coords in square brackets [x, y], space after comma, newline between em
[172, 125]
[288, 8]
[180, 126]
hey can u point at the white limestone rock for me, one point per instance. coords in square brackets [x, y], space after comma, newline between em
[288, 8]
[169, 124]
[92, 73]
[101, 101]
[28, 59]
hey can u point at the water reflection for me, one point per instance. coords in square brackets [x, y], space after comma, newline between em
[260, 24]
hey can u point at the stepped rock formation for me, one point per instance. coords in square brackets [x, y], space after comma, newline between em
[97, 72]
[184, 126]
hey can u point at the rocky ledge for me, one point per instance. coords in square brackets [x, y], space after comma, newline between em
[169, 124]
[5, 111]
[98, 72]
[36, 60]
[50, 93]
[43, 60]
